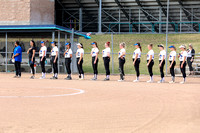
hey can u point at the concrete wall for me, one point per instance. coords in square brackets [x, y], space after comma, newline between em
[26, 12]
[14, 12]
[42, 12]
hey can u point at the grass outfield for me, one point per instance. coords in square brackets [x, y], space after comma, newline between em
[130, 39]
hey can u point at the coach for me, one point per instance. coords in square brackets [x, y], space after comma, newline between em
[17, 56]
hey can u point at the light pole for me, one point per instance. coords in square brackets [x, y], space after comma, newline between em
[167, 30]
[100, 9]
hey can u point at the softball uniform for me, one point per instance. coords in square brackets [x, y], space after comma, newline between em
[121, 63]
[150, 66]
[54, 58]
[94, 53]
[162, 57]
[106, 60]
[137, 62]
[42, 55]
[80, 65]
[172, 63]
[181, 59]
[68, 62]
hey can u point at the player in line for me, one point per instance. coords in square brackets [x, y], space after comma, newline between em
[162, 57]
[122, 60]
[42, 55]
[68, 56]
[136, 60]
[54, 59]
[31, 55]
[79, 59]
[95, 60]
[106, 57]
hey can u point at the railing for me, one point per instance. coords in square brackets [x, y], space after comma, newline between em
[176, 24]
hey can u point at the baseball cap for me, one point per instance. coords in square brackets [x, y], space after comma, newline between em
[52, 42]
[171, 47]
[135, 44]
[93, 43]
[42, 42]
[78, 44]
[182, 46]
[161, 45]
[66, 44]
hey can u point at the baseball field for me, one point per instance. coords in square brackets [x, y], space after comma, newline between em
[60, 106]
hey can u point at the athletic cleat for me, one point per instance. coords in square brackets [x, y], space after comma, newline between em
[68, 78]
[54, 77]
[182, 82]
[94, 79]
[32, 77]
[106, 79]
[136, 81]
[171, 82]
[161, 81]
[150, 81]
[121, 80]
[42, 77]
[15, 76]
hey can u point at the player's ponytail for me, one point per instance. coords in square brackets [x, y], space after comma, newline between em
[139, 45]
[174, 47]
[70, 45]
[108, 43]
[123, 44]
[33, 43]
[81, 45]
[96, 44]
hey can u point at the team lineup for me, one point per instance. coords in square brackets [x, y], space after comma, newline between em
[185, 57]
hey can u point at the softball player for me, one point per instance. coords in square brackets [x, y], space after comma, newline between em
[17, 56]
[95, 60]
[172, 61]
[106, 59]
[162, 57]
[183, 59]
[42, 55]
[31, 53]
[122, 60]
[190, 58]
[68, 56]
[54, 59]
[150, 62]
[79, 58]
[136, 60]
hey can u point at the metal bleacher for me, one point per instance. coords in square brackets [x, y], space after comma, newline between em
[130, 15]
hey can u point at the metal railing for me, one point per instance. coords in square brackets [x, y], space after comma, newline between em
[176, 24]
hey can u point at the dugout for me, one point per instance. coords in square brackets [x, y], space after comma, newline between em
[25, 33]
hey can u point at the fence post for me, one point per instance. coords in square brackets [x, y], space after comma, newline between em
[59, 52]
[167, 30]
[6, 39]
[73, 47]
[112, 54]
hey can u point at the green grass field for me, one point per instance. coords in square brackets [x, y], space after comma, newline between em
[130, 39]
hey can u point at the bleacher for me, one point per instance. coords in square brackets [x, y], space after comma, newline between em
[119, 15]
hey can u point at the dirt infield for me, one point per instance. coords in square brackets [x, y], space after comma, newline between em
[60, 106]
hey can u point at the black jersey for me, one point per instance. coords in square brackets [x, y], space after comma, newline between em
[31, 52]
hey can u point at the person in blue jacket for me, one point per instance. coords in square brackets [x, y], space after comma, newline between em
[17, 57]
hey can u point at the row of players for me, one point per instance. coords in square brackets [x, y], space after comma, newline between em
[183, 57]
